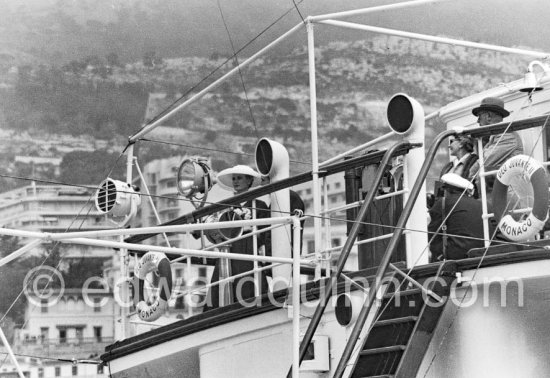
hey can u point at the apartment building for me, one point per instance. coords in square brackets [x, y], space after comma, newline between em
[54, 208]
[335, 235]
[63, 326]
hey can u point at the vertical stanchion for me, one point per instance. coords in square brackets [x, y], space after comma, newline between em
[225, 288]
[125, 260]
[124, 291]
[188, 297]
[257, 280]
[296, 297]
[483, 190]
[10, 352]
[327, 245]
[314, 147]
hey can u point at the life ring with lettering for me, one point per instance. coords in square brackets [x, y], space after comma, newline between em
[158, 263]
[517, 168]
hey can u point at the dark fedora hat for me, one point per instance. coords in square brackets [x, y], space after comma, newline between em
[493, 104]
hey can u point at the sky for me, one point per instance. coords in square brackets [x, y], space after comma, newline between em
[203, 28]
[503, 22]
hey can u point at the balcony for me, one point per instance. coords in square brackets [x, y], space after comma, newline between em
[79, 347]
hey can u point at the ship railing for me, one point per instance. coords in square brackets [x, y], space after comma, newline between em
[359, 203]
[308, 260]
[327, 170]
[337, 249]
[255, 257]
[486, 215]
[93, 238]
[66, 341]
[474, 132]
[202, 289]
[372, 157]
[52, 347]
[478, 132]
[346, 250]
[305, 261]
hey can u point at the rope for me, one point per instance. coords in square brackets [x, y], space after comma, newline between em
[190, 90]
[74, 361]
[543, 128]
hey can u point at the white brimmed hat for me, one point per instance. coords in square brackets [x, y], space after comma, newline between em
[452, 179]
[225, 177]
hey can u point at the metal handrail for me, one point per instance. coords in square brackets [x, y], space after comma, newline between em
[381, 271]
[38, 340]
[369, 158]
[407, 210]
[346, 250]
[475, 132]
[360, 202]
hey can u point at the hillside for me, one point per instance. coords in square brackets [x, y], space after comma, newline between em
[109, 101]
[54, 32]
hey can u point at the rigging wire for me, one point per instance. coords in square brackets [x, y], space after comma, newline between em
[231, 58]
[196, 147]
[235, 55]
[336, 219]
[53, 248]
[458, 307]
[245, 93]
[298, 10]
[46, 181]
[179, 198]
[73, 360]
[470, 286]
[126, 147]
[211, 149]
[339, 219]
[492, 240]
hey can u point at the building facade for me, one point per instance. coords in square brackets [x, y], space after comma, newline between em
[334, 224]
[63, 326]
[77, 324]
[54, 208]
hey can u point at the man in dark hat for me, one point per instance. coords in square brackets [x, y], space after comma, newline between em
[456, 225]
[498, 148]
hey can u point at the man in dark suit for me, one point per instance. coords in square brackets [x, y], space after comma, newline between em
[456, 225]
[498, 148]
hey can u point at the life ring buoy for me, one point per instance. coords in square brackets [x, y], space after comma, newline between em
[153, 262]
[533, 171]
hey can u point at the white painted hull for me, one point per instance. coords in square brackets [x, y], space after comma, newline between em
[495, 333]
[257, 346]
[501, 329]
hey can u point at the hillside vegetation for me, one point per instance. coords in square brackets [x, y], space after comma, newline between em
[108, 100]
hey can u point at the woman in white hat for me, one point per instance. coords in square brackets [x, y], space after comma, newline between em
[239, 179]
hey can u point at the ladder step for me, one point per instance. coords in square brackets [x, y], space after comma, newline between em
[388, 349]
[401, 320]
[402, 293]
